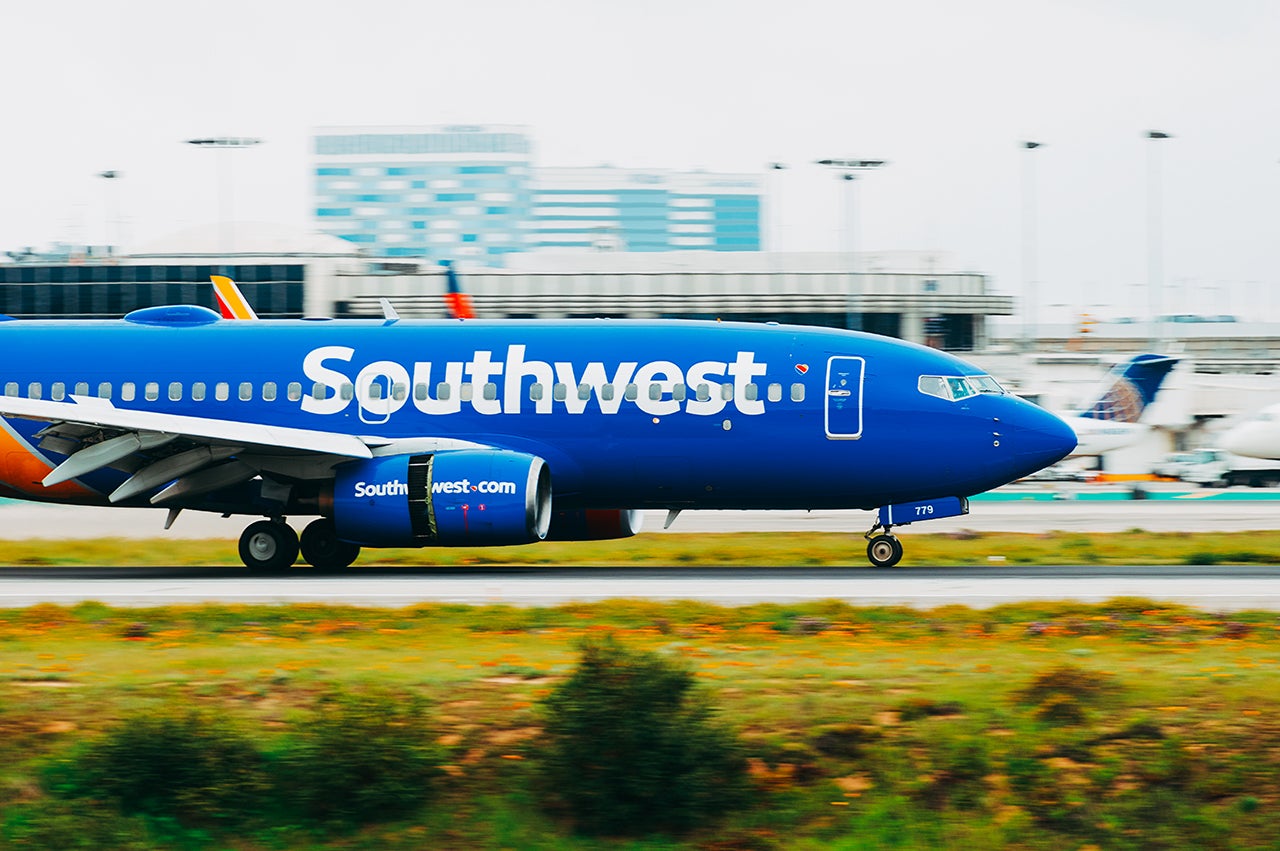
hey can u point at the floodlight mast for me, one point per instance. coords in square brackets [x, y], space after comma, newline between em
[224, 143]
[848, 170]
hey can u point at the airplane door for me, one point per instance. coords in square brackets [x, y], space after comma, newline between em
[843, 409]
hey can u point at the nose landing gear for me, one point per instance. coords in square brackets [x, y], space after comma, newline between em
[883, 550]
[883, 547]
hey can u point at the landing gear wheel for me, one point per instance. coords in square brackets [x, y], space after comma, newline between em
[321, 547]
[884, 550]
[268, 545]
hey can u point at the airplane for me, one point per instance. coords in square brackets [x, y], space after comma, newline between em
[1112, 420]
[1256, 437]
[408, 433]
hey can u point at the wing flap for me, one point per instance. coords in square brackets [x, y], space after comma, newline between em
[92, 411]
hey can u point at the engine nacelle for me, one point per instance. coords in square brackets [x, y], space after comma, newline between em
[594, 524]
[477, 497]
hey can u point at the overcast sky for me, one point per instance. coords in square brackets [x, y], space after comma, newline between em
[945, 91]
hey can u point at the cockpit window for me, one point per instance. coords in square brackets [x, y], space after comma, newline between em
[953, 388]
[986, 384]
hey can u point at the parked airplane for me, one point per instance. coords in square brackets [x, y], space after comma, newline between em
[418, 433]
[1111, 421]
[1256, 437]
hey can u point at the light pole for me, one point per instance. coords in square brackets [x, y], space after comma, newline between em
[772, 219]
[848, 171]
[111, 212]
[225, 188]
[1031, 309]
[1155, 242]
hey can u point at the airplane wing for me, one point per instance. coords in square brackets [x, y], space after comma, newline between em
[195, 454]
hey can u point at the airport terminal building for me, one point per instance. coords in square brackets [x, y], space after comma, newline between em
[909, 295]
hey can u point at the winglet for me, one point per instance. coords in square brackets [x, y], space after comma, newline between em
[458, 302]
[231, 302]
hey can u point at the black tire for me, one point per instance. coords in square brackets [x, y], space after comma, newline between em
[884, 550]
[322, 548]
[268, 546]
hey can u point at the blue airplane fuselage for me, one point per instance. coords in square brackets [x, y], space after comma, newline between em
[626, 414]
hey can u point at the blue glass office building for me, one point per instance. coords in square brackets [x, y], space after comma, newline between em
[644, 210]
[451, 192]
[471, 193]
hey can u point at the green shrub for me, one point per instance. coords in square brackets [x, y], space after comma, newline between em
[360, 757]
[1079, 684]
[631, 748]
[193, 767]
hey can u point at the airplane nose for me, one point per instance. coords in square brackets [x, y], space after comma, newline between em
[1042, 438]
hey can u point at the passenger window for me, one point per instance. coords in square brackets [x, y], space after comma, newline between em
[655, 392]
[632, 393]
[420, 391]
[346, 392]
[319, 391]
[128, 392]
[175, 391]
[679, 391]
[104, 390]
[399, 391]
[295, 391]
[375, 390]
[535, 391]
[443, 391]
[490, 391]
[197, 391]
[797, 392]
[726, 392]
[246, 391]
[34, 390]
[559, 392]
[584, 392]
[606, 393]
[466, 392]
[752, 392]
[82, 388]
[704, 393]
[151, 391]
[269, 391]
[11, 389]
[775, 393]
[58, 391]
[222, 391]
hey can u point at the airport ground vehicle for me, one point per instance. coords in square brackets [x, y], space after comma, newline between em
[1219, 468]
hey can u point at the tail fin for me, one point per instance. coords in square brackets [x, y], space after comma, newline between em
[458, 302]
[231, 302]
[1131, 386]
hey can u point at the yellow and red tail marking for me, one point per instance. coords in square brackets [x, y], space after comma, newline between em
[231, 302]
[459, 305]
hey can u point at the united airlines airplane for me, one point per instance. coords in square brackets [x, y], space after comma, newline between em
[1112, 419]
[398, 433]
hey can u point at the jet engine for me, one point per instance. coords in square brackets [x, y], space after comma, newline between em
[594, 524]
[477, 497]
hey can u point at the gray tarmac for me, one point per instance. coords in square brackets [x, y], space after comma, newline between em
[1024, 508]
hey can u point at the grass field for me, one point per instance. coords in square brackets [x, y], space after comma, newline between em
[1123, 725]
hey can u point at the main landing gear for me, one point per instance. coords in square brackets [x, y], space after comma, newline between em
[271, 545]
[883, 547]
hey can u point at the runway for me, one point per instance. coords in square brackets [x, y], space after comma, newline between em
[1226, 588]
[1169, 507]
